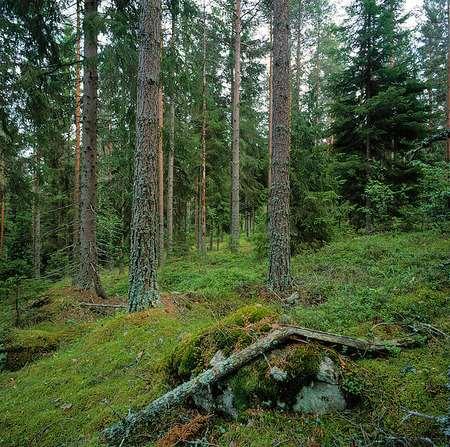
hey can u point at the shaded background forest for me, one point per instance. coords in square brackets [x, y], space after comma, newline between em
[338, 183]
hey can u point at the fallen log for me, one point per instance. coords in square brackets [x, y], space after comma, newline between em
[123, 431]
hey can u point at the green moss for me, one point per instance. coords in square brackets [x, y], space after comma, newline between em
[254, 385]
[423, 305]
[25, 345]
[119, 362]
[236, 331]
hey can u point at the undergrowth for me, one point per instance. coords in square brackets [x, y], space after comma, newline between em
[99, 366]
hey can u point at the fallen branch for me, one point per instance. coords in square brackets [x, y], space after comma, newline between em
[357, 344]
[121, 432]
[116, 306]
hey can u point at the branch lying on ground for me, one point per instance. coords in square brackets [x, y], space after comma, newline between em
[124, 430]
[117, 306]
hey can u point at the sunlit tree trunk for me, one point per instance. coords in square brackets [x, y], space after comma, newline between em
[76, 181]
[88, 278]
[279, 277]
[143, 290]
[235, 139]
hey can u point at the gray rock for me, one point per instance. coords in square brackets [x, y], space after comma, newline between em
[328, 372]
[319, 398]
[227, 403]
[278, 374]
[223, 402]
[203, 398]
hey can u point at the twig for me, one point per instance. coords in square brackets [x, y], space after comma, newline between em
[116, 306]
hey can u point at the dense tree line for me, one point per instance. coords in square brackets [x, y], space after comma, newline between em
[132, 131]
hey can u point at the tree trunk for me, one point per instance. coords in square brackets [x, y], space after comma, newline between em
[203, 150]
[368, 92]
[236, 128]
[170, 166]
[298, 57]
[36, 218]
[143, 290]
[76, 182]
[88, 277]
[161, 176]
[448, 80]
[279, 278]
[269, 174]
[171, 144]
[196, 214]
[2, 204]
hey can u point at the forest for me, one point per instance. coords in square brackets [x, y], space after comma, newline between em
[224, 223]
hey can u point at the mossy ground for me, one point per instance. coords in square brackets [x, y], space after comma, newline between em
[374, 286]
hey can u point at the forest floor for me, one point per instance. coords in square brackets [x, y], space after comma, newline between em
[80, 368]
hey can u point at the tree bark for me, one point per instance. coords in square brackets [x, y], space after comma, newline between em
[161, 176]
[448, 80]
[143, 290]
[2, 204]
[235, 185]
[88, 274]
[36, 217]
[76, 181]
[122, 433]
[196, 214]
[202, 234]
[298, 57]
[368, 92]
[279, 278]
[269, 174]
[170, 167]
[171, 142]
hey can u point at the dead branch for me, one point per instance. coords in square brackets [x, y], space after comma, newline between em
[116, 306]
[124, 430]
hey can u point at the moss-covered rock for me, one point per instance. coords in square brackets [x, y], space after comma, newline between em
[234, 332]
[258, 384]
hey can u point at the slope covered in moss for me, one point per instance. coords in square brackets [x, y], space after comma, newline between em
[383, 286]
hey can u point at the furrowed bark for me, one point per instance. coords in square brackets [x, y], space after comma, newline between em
[279, 277]
[235, 151]
[143, 290]
[123, 432]
[171, 140]
[88, 278]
